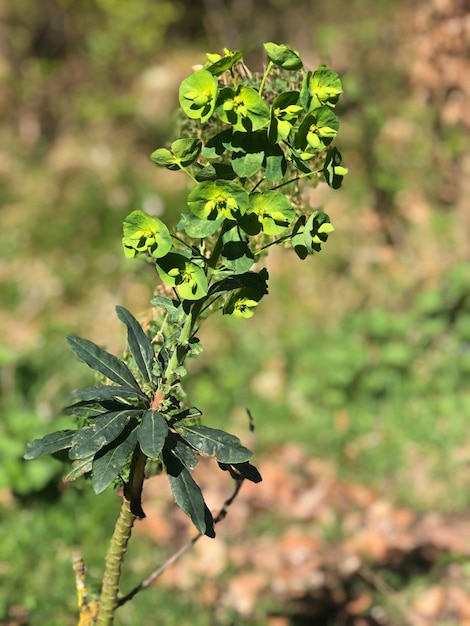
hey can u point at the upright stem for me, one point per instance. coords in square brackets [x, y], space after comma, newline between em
[113, 564]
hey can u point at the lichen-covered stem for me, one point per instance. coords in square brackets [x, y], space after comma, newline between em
[113, 563]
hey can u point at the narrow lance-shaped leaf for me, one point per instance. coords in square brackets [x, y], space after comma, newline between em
[107, 392]
[152, 433]
[109, 461]
[214, 442]
[104, 429]
[139, 344]
[60, 440]
[102, 361]
[189, 498]
[79, 468]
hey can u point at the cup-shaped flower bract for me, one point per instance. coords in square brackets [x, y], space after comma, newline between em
[244, 109]
[198, 95]
[179, 271]
[144, 233]
[273, 213]
[212, 200]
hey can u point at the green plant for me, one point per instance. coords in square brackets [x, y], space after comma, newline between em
[249, 144]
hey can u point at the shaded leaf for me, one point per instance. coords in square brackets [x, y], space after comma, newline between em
[60, 440]
[246, 471]
[139, 344]
[103, 362]
[152, 433]
[188, 497]
[214, 442]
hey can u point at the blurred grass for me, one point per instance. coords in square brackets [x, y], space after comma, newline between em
[361, 354]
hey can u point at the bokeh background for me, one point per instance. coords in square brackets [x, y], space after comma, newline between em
[356, 370]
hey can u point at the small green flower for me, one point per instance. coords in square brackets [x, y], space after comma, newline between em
[244, 307]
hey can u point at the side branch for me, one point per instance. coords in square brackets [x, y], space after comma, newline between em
[184, 548]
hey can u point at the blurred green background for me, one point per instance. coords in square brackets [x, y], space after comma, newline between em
[362, 353]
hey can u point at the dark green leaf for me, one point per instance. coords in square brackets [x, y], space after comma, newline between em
[106, 392]
[186, 455]
[103, 362]
[139, 344]
[79, 468]
[242, 470]
[189, 498]
[214, 442]
[60, 440]
[332, 170]
[109, 461]
[173, 308]
[236, 252]
[257, 281]
[95, 436]
[214, 171]
[152, 433]
[84, 410]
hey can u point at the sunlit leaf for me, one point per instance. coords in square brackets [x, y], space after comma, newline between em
[197, 95]
[198, 228]
[214, 442]
[320, 88]
[102, 361]
[244, 109]
[178, 271]
[60, 440]
[283, 56]
[182, 154]
[152, 433]
[89, 439]
[218, 65]
[144, 233]
[273, 210]
[220, 198]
